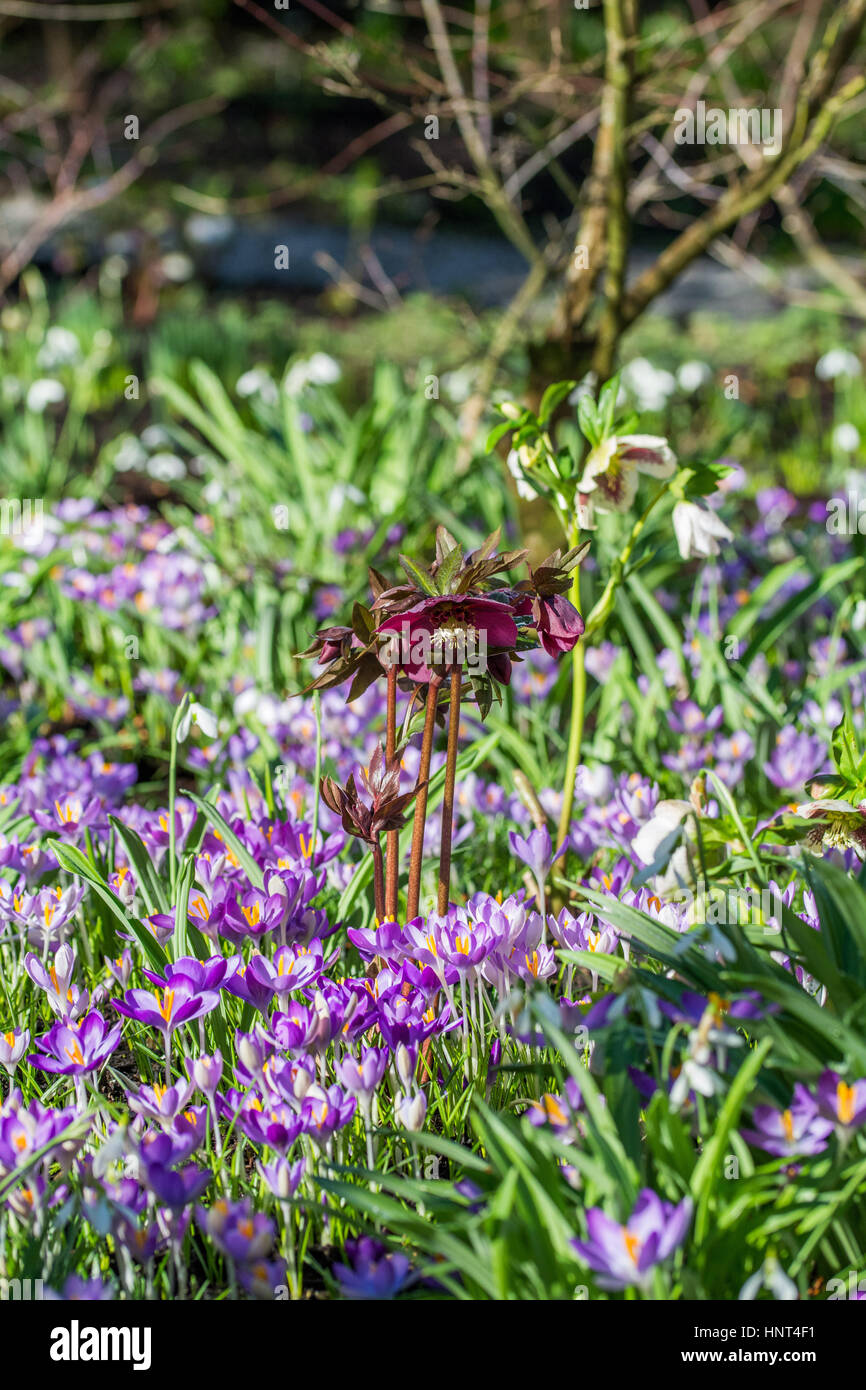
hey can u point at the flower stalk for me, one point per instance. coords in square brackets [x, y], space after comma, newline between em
[448, 797]
[420, 817]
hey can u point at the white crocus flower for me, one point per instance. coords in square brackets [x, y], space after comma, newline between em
[611, 471]
[200, 715]
[698, 530]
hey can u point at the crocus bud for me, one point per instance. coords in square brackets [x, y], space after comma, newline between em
[13, 1045]
[404, 1060]
[411, 1110]
[207, 1072]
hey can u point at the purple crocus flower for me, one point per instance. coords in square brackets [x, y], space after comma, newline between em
[178, 1001]
[177, 1188]
[841, 1102]
[236, 1230]
[373, 1273]
[791, 1133]
[13, 1045]
[535, 852]
[624, 1256]
[73, 1049]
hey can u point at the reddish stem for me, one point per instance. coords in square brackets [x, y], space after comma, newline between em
[392, 840]
[448, 798]
[378, 881]
[414, 892]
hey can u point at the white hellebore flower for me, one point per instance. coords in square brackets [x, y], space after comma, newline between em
[698, 530]
[840, 825]
[200, 715]
[611, 471]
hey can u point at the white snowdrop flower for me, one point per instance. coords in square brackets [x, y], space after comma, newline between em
[257, 382]
[130, 454]
[772, 1277]
[837, 362]
[692, 375]
[212, 492]
[457, 385]
[651, 386]
[524, 489]
[658, 835]
[846, 437]
[155, 437]
[176, 267]
[45, 391]
[318, 370]
[166, 468]
[698, 530]
[323, 370]
[61, 348]
[344, 492]
[200, 715]
[203, 229]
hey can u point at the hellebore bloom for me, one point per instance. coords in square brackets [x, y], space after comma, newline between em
[625, 1255]
[445, 629]
[178, 1001]
[840, 825]
[698, 530]
[610, 475]
[797, 1131]
[840, 1102]
[73, 1049]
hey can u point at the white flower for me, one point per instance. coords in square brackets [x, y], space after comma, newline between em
[692, 375]
[837, 362]
[166, 468]
[61, 348]
[772, 1277]
[524, 489]
[657, 837]
[611, 471]
[155, 437]
[204, 230]
[318, 370]
[44, 391]
[130, 454]
[698, 530]
[846, 437]
[200, 715]
[176, 267]
[257, 382]
[651, 386]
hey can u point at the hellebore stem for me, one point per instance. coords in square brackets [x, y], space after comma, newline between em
[414, 892]
[392, 841]
[378, 880]
[578, 699]
[448, 797]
